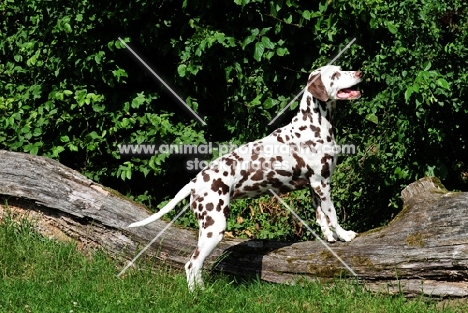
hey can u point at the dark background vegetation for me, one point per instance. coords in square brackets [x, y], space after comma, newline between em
[70, 90]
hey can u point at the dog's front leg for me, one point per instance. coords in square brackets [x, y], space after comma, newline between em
[326, 213]
[322, 220]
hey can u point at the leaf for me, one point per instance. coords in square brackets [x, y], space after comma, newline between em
[259, 49]
[282, 51]
[93, 135]
[241, 2]
[34, 150]
[264, 31]
[408, 93]
[392, 28]
[443, 83]
[181, 69]
[64, 138]
[294, 105]
[97, 58]
[267, 43]
[269, 103]
[247, 40]
[427, 65]
[306, 14]
[371, 117]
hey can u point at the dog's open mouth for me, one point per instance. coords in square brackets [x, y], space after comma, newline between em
[348, 94]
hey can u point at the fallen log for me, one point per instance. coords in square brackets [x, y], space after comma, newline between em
[423, 250]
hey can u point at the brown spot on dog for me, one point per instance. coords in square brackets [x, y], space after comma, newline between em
[284, 189]
[254, 187]
[196, 253]
[208, 222]
[325, 166]
[209, 235]
[316, 130]
[299, 161]
[219, 186]
[335, 75]
[280, 139]
[209, 206]
[317, 214]
[302, 128]
[225, 173]
[257, 176]
[228, 161]
[297, 135]
[299, 182]
[283, 173]
[226, 211]
[270, 175]
[316, 88]
[219, 205]
[318, 191]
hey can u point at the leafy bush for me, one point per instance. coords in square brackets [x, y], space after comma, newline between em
[70, 91]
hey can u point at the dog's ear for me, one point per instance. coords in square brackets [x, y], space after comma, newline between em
[316, 88]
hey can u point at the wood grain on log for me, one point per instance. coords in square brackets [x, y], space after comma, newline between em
[425, 246]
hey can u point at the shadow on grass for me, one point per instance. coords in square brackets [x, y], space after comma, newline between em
[242, 263]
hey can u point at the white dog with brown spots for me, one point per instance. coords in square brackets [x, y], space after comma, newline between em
[293, 157]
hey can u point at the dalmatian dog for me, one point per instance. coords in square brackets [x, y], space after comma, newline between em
[296, 156]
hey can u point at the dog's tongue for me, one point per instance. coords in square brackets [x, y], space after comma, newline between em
[348, 93]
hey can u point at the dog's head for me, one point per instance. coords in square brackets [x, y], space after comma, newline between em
[331, 83]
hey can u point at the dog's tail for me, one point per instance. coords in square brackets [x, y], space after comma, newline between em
[182, 194]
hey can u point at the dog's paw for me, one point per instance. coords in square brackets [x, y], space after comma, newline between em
[330, 236]
[348, 235]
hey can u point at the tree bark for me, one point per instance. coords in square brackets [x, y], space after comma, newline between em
[423, 250]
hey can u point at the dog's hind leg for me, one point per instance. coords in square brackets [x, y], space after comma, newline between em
[211, 213]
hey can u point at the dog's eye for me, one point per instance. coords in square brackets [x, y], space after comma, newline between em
[335, 75]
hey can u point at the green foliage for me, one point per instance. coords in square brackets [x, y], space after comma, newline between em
[70, 90]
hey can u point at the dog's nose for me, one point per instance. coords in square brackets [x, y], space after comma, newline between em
[358, 74]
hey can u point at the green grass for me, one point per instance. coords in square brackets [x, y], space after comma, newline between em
[41, 275]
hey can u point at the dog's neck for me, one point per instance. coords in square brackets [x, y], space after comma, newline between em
[319, 111]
